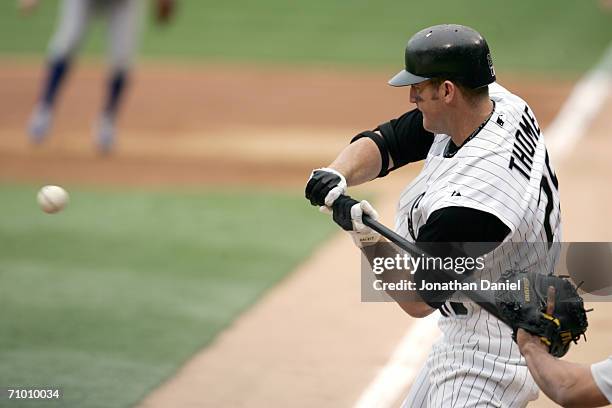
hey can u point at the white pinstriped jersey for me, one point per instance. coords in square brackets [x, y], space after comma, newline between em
[503, 170]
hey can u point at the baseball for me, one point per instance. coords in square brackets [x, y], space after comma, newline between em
[52, 199]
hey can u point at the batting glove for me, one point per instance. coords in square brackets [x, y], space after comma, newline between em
[324, 186]
[348, 214]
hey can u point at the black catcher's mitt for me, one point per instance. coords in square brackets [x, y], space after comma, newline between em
[526, 309]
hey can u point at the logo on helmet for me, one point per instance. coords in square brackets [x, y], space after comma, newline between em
[490, 62]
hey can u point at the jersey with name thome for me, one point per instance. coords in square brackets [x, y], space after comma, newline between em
[504, 169]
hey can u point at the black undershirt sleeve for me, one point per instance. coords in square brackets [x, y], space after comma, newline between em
[462, 224]
[444, 235]
[403, 139]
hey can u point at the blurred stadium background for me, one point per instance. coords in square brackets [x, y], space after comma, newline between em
[199, 213]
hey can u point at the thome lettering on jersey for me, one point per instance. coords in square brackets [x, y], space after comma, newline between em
[521, 160]
[525, 144]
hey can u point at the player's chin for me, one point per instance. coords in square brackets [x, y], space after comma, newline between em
[427, 125]
[431, 125]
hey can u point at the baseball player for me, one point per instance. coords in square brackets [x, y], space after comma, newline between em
[75, 17]
[486, 177]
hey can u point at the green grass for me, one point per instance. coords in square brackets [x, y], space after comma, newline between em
[108, 298]
[544, 35]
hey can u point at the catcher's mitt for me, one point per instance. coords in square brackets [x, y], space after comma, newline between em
[526, 309]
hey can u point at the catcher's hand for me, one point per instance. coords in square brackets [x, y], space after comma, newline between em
[546, 306]
[165, 10]
[523, 337]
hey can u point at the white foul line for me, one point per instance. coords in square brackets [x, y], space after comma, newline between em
[581, 106]
[403, 365]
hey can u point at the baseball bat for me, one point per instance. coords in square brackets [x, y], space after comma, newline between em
[482, 298]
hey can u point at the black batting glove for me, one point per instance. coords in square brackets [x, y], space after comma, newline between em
[321, 182]
[342, 212]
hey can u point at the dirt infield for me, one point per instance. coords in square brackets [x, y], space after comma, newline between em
[203, 125]
[207, 124]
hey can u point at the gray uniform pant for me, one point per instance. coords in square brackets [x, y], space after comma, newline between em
[123, 28]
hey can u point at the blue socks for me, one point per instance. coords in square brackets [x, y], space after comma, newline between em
[55, 75]
[116, 86]
[57, 72]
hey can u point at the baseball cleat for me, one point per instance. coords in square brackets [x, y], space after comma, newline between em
[105, 137]
[40, 123]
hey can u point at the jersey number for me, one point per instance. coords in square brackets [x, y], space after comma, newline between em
[545, 186]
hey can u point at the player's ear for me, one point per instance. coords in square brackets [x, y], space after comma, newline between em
[448, 91]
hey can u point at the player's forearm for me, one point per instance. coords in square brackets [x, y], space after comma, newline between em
[416, 309]
[568, 384]
[359, 162]
[545, 370]
[408, 300]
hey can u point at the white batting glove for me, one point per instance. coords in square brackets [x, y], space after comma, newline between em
[363, 235]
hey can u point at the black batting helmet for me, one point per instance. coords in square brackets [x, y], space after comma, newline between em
[449, 51]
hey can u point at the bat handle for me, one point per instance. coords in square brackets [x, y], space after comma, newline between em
[484, 299]
[391, 235]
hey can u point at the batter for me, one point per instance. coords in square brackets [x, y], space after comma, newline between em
[487, 177]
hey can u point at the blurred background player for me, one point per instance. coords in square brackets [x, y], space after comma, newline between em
[75, 17]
